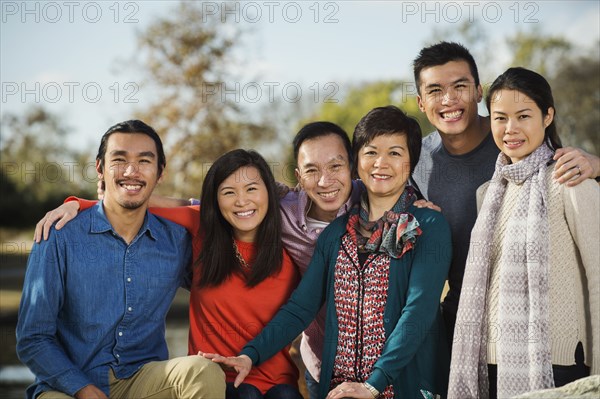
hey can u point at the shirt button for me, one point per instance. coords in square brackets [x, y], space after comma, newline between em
[129, 279]
[318, 231]
[120, 333]
[129, 309]
[118, 356]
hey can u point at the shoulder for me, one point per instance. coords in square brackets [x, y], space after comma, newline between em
[431, 141]
[162, 227]
[431, 222]
[78, 227]
[290, 198]
[585, 195]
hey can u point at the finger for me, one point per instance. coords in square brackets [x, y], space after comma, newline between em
[565, 172]
[578, 178]
[47, 226]
[61, 222]
[568, 158]
[240, 378]
[558, 153]
[37, 235]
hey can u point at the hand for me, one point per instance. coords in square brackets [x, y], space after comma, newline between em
[574, 166]
[350, 390]
[242, 364]
[90, 392]
[422, 203]
[63, 214]
[100, 190]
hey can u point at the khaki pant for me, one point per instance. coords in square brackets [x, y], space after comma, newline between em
[180, 378]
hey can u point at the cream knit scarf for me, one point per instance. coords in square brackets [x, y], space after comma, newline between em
[523, 347]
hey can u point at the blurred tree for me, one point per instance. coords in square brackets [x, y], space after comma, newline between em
[541, 53]
[186, 57]
[362, 98]
[576, 90]
[38, 170]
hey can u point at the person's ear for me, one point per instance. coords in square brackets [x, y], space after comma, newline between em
[297, 174]
[99, 169]
[479, 93]
[420, 103]
[549, 117]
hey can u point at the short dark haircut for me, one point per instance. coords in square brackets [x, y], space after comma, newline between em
[217, 259]
[534, 86]
[385, 121]
[132, 126]
[318, 129]
[440, 54]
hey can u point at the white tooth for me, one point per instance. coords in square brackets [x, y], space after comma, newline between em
[329, 195]
[450, 115]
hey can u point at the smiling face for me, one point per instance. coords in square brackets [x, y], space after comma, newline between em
[130, 170]
[518, 125]
[324, 173]
[448, 96]
[384, 166]
[243, 201]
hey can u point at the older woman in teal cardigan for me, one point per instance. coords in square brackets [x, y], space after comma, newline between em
[379, 271]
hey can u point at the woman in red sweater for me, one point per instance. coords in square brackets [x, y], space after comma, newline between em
[242, 275]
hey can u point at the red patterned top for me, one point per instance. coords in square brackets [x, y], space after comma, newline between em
[360, 298]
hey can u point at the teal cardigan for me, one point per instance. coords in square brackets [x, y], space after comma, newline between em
[415, 356]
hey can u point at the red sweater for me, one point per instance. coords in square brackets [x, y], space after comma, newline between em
[224, 318]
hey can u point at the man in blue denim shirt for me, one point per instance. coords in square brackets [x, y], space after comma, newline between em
[92, 315]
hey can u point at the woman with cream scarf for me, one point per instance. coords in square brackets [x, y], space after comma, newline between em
[529, 312]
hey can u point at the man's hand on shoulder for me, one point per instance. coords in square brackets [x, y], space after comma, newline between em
[574, 166]
[422, 203]
[62, 215]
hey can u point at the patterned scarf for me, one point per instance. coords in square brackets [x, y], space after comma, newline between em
[523, 350]
[393, 234]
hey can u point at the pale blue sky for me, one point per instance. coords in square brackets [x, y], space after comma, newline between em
[63, 52]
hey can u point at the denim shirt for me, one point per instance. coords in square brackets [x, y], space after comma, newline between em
[92, 302]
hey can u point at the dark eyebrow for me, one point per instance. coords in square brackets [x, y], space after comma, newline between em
[246, 185]
[459, 80]
[336, 158]
[518, 112]
[148, 154]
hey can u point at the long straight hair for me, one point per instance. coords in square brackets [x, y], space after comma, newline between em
[217, 260]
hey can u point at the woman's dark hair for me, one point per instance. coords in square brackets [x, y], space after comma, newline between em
[217, 260]
[534, 86]
[132, 126]
[385, 121]
[315, 130]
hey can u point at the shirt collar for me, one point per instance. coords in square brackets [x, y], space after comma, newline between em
[100, 223]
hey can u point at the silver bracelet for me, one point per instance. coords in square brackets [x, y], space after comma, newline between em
[371, 389]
